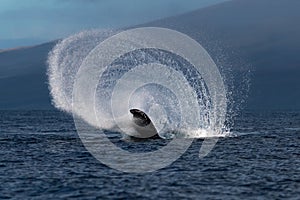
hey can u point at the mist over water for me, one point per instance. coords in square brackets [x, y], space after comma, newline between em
[164, 85]
[64, 62]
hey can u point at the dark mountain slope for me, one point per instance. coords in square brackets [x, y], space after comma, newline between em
[23, 78]
[262, 33]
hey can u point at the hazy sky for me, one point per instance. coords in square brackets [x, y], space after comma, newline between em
[52, 19]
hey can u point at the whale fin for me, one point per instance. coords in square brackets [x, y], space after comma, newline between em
[140, 118]
[143, 124]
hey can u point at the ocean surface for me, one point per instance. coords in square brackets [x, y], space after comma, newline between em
[42, 157]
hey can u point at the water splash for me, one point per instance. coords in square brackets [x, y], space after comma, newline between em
[164, 101]
[64, 62]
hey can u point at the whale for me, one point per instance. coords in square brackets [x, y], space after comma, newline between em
[143, 125]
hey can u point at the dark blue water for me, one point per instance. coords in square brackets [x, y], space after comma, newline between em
[41, 157]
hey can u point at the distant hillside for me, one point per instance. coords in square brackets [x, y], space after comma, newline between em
[23, 79]
[10, 43]
[263, 33]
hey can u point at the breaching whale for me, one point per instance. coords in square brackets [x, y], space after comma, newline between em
[143, 125]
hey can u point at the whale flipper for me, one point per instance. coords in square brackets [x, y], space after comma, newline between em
[140, 118]
[143, 124]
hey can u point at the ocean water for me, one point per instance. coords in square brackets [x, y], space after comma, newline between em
[42, 157]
